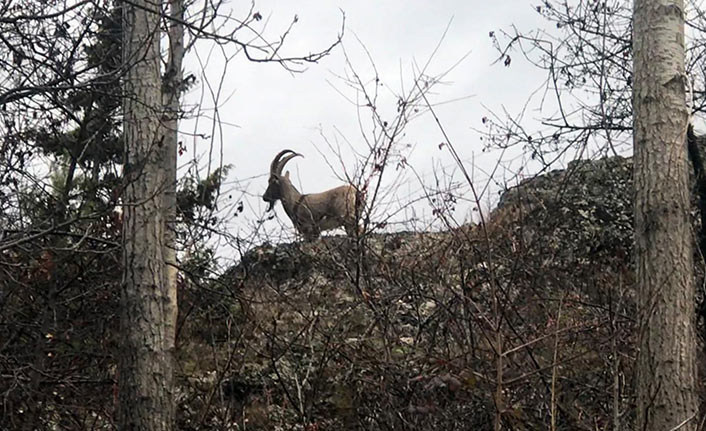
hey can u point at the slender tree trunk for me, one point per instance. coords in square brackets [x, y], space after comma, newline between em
[146, 357]
[666, 397]
[171, 92]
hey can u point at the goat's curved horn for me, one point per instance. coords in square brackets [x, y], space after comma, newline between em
[275, 162]
[285, 160]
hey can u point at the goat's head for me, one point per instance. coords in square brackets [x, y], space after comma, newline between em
[274, 187]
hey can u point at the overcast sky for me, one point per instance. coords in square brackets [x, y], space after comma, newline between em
[264, 109]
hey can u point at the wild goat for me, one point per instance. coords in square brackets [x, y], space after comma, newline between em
[315, 212]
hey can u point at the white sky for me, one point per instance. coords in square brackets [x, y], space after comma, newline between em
[264, 109]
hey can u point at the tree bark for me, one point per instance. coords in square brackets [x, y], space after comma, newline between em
[171, 93]
[146, 398]
[665, 365]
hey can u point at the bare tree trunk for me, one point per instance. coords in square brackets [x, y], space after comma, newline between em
[147, 357]
[171, 92]
[665, 366]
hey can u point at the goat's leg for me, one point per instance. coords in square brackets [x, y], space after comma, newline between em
[353, 229]
[310, 235]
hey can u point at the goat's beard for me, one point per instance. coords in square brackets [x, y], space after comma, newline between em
[270, 205]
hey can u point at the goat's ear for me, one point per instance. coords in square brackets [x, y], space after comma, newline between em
[286, 175]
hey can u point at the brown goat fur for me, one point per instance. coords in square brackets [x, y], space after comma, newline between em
[313, 213]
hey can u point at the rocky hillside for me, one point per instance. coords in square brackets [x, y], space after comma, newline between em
[529, 317]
